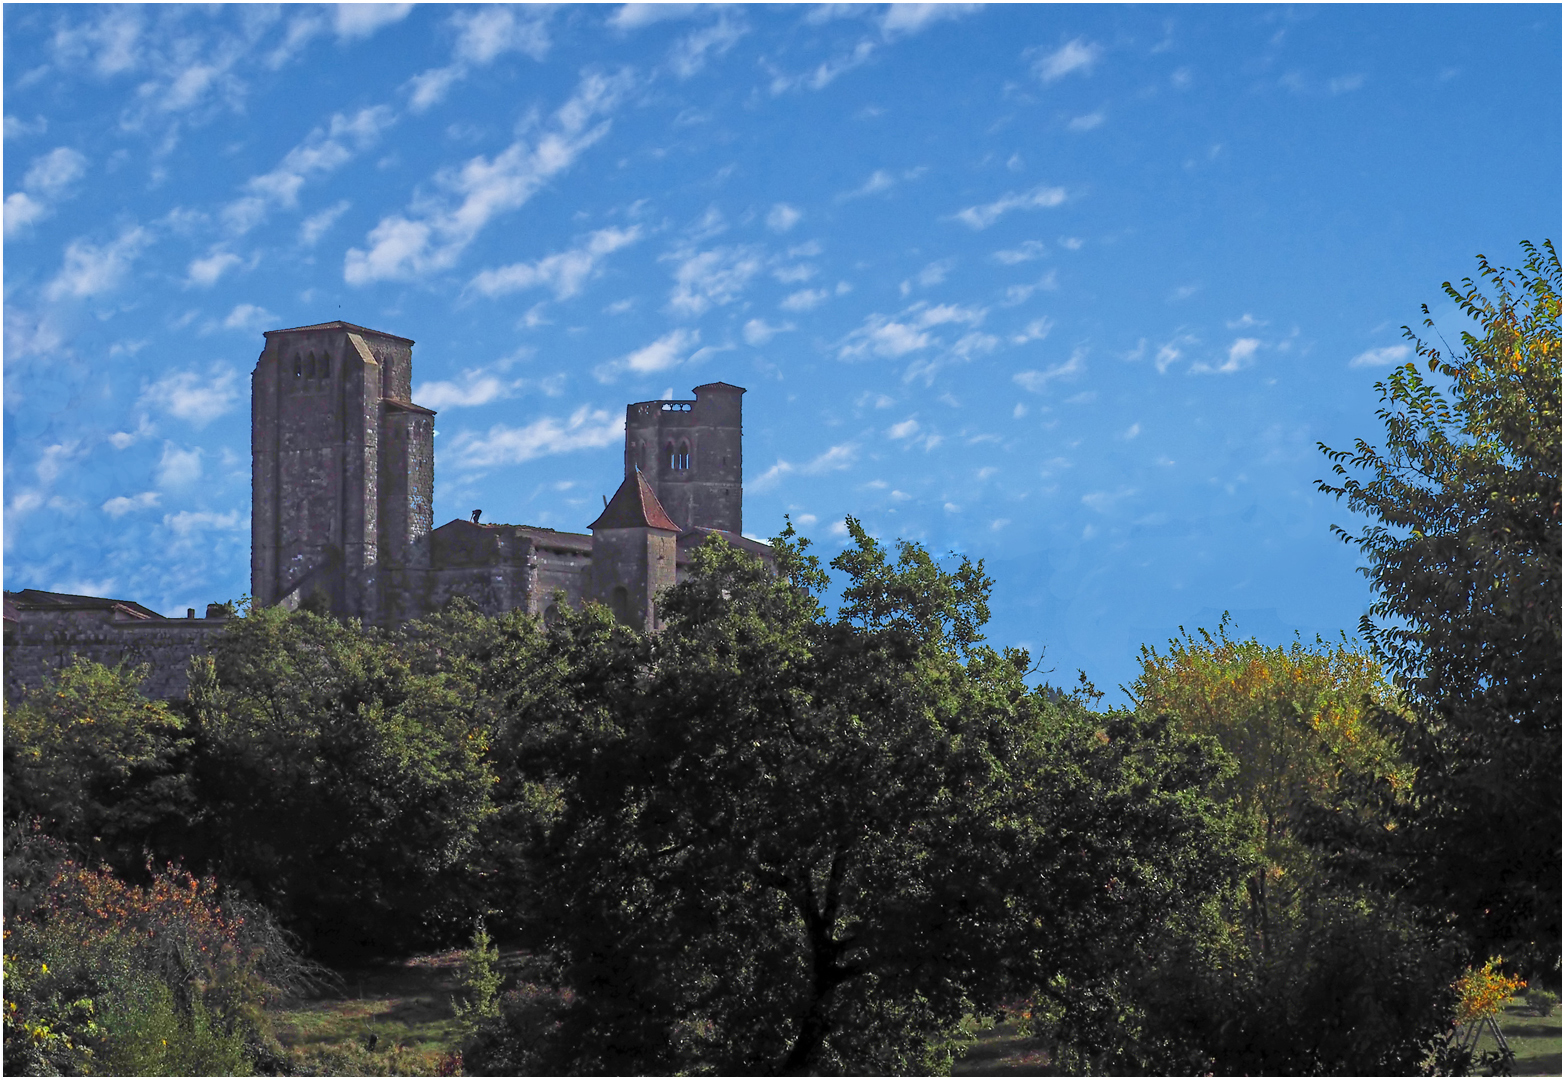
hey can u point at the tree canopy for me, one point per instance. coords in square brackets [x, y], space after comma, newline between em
[1462, 545]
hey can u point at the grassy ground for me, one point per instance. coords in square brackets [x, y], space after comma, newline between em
[405, 1006]
[1537, 1041]
[1003, 1051]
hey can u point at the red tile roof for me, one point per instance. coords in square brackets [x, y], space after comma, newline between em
[634, 506]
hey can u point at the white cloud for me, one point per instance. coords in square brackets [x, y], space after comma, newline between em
[907, 332]
[712, 278]
[758, 331]
[54, 459]
[21, 210]
[1172, 351]
[1103, 501]
[688, 54]
[189, 397]
[188, 521]
[1245, 322]
[783, 217]
[668, 351]
[1035, 330]
[1031, 249]
[1078, 55]
[482, 34]
[586, 429]
[905, 429]
[1389, 354]
[907, 19]
[880, 180]
[1088, 121]
[826, 72]
[1240, 354]
[177, 467]
[55, 171]
[805, 299]
[205, 272]
[1132, 432]
[247, 317]
[403, 248]
[316, 225]
[354, 21]
[837, 458]
[634, 16]
[120, 505]
[90, 269]
[1040, 198]
[1019, 294]
[1036, 381]
[324, 150]
[477, 386]
[565, 272]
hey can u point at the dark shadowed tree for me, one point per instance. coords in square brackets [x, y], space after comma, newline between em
[784, 842]
[339, 785]
[1462, 544]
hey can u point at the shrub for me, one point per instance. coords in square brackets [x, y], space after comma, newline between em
[103, 976]
[1543, 1002]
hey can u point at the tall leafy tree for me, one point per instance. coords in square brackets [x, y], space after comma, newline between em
[340, 785]
[98, 765]
[785, 842]
[1305, 969]
[1462, 545]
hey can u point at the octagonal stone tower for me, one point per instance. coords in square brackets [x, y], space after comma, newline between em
[691, 453]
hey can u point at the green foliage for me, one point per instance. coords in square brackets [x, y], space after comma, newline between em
[1543, 1002]
[98, 764]
[105, 977]
[1298, 724]
[778, 842]
[480, 982]
[339, 784]
[1463, 550]
[1301, 968]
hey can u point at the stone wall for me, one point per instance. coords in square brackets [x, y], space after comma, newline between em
[44, 641]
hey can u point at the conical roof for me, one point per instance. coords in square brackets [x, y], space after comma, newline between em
[634, 506]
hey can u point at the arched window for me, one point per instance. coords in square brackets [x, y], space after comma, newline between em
[683, 456]
[298, 367]
[621, 604]
[325, 365]
[669, 456]
[550, 614]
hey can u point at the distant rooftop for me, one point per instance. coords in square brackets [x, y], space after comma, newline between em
[339, 325]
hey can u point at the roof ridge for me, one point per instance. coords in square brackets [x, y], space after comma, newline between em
[634, 506]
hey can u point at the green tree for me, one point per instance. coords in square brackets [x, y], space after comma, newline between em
[98, 764]
[1300, 969]
[1296, 722]
[783, 842]
[1462, 545]
[338, 784]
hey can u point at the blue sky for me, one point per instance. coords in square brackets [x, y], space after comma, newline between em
[1075, 290]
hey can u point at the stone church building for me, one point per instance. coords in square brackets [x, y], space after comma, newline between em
[342, 515]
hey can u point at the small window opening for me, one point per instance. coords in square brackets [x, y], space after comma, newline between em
[298, 367]
[550, 614]
[621, 604]
[681, 459]
[325, 365]
[309, 367]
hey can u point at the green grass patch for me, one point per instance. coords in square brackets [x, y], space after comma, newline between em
[386, 1019]
[1537, 1041]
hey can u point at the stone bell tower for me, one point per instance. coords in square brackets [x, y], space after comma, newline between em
[342, 498]
[691, 452]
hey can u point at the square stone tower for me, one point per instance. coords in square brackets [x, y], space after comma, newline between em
[692, 454]
[342, 501]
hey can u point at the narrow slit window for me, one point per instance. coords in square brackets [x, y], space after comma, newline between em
[683, 456]
[325, 365]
